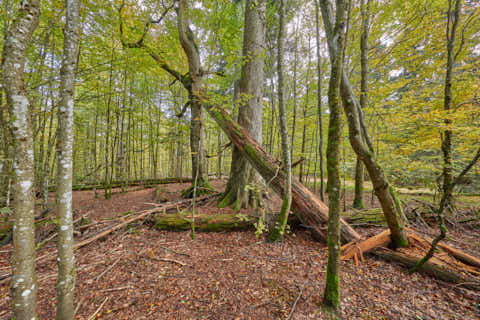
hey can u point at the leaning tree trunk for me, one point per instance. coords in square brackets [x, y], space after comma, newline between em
[357, 133]
[66, 261]
[250, 111]
[312, 211]
[23, 285]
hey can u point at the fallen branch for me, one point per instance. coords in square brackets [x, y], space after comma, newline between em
[98, 310]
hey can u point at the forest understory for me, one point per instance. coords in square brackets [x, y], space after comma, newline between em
[138, 272]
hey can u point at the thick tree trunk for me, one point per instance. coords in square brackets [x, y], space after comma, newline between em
[250, 111]
[357, 133]
[23, 285]
[312, 211]
[66, 261]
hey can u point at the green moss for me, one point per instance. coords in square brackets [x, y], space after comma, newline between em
[332, 291]
[205, 223]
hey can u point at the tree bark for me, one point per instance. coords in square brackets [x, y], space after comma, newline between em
[250, 111]
[23, 285]
[357, 133]
[359, 172]
[332, 289]
[279, 228]
[66, 261]
[319, 99]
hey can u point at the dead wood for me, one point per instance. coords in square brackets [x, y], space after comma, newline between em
[440, 272]
[449, 264]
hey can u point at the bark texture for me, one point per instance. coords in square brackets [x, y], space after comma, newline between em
[332, 289]
[23, 284]
[359, 172]
[279, 228]
[250, 104]
[358, 135]
[66, 261]
[319, 99]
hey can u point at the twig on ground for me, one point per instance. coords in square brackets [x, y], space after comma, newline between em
[183, 264]
[296, 300]
[116, 289]
[106, 270]
[124, 306]
[98, 310]
[79, 304]
[179, 253]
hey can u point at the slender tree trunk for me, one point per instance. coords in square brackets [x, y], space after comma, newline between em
[250, 111]
[279, 229]
[359, 172]
[23, 285]
[332, 288]
[447, 173]
[319, 99]
[357, 133]
[66, 264]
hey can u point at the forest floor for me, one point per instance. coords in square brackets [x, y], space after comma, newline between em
[231, 275]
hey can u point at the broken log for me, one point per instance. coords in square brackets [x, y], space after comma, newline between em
[309, 208]
[449, 264]
[440, 272]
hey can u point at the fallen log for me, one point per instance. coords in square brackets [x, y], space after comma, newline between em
[449, 264]
[309, 208]
[212, 222]
[435, 270]
[131, 183]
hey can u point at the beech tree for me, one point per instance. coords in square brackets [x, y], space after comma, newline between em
[66, 264]
[336, 39]
[358, 134]
[279, 228]
[250, 102]
[23, 283]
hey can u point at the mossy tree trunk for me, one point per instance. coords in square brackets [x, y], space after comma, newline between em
[331, 297]
[358, 135]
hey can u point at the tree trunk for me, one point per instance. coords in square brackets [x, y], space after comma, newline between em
[250, 111]
[66, 263]
[357, 133]
[279, 229]
[23, 285]
[365, 9]
[447, 172]
[331, 297]
[319, 100]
